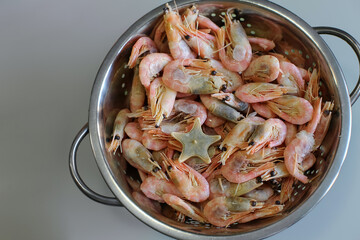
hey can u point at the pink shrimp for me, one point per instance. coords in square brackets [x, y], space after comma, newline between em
[160, 38]
[190, 183]
[213, 121]
[238, 136]
[302, 145]
[236, 169]
[151, 143]
[265, 155]
[220, 109]
[154, 188]
[265, 68]
[324, 124]
[312, 91]
[291, 132]
[195, 76]
[162, 100]
[304, 74]
[291, 77]
[146, 203]
[189, 17]
[293, 109]
[184, 207]
[261, 92]
[137, 93]
[271, 133]
[234, 47]
[133, 130]
[118, 130]
[142, 45]
[140, 157]
[178, 47]
[261, 44]
[231, 100]
[267, 211]
[263, 110]
[151, 66]
[223, 211]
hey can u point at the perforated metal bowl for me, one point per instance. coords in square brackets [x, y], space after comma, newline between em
[293, 37]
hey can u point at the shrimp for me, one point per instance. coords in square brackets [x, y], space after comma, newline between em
[151, 143]
[118, 130]
[190, 183]
[238, 136]
[151, 65]
[223, 211]
[142, 45]
[234, 47]
[267, 211]
[236, 169]
[139, 157]
[146, 203]
[261, 193]
[261, 44]
[304, 74]
[312, 91]
[290, 76]
[184, 207]
[219, 186]
[271, 133]
[220, 109]
[290, 133]
[261, 92]
[195, 76]
[286, 189]
[324, 124]
[137, 93]
[189, 17]
[279, 171]
[263, 110]
[154, 188]
[265, 68]
[213, 121]
[162, 100]
[133, 130]
[293, 109]
[160, 38]
[178, 47]
[265, 155]
[302, 145]
[231, 100]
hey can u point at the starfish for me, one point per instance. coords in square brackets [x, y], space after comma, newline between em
[195, 143]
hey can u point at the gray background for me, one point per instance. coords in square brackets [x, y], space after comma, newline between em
[49, 54]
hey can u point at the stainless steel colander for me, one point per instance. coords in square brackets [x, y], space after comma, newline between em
[295, 39]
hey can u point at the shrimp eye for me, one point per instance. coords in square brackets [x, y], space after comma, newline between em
[223, 87]
[277, 202]
[227, 98]
[117, 137]
[272, 173]
[157, 126]
[327, 112]
[156, 169]
[146, 108]
[187, 37]
[213, 73]
[108, 140]
[169, 168]
[165, 9]
[259, 180]
[223, 149]
[251, 143]
[253, 203]
[164, 116]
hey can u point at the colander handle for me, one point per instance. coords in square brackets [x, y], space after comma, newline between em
[354, 95]
[76, 177]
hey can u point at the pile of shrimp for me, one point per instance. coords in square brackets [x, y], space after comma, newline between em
[266, 109]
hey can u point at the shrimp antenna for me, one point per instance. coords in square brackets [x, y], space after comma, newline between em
[176, 7]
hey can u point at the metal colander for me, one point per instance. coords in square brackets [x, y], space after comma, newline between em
[294, 39]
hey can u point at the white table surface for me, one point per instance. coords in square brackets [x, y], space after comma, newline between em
[50, 52]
